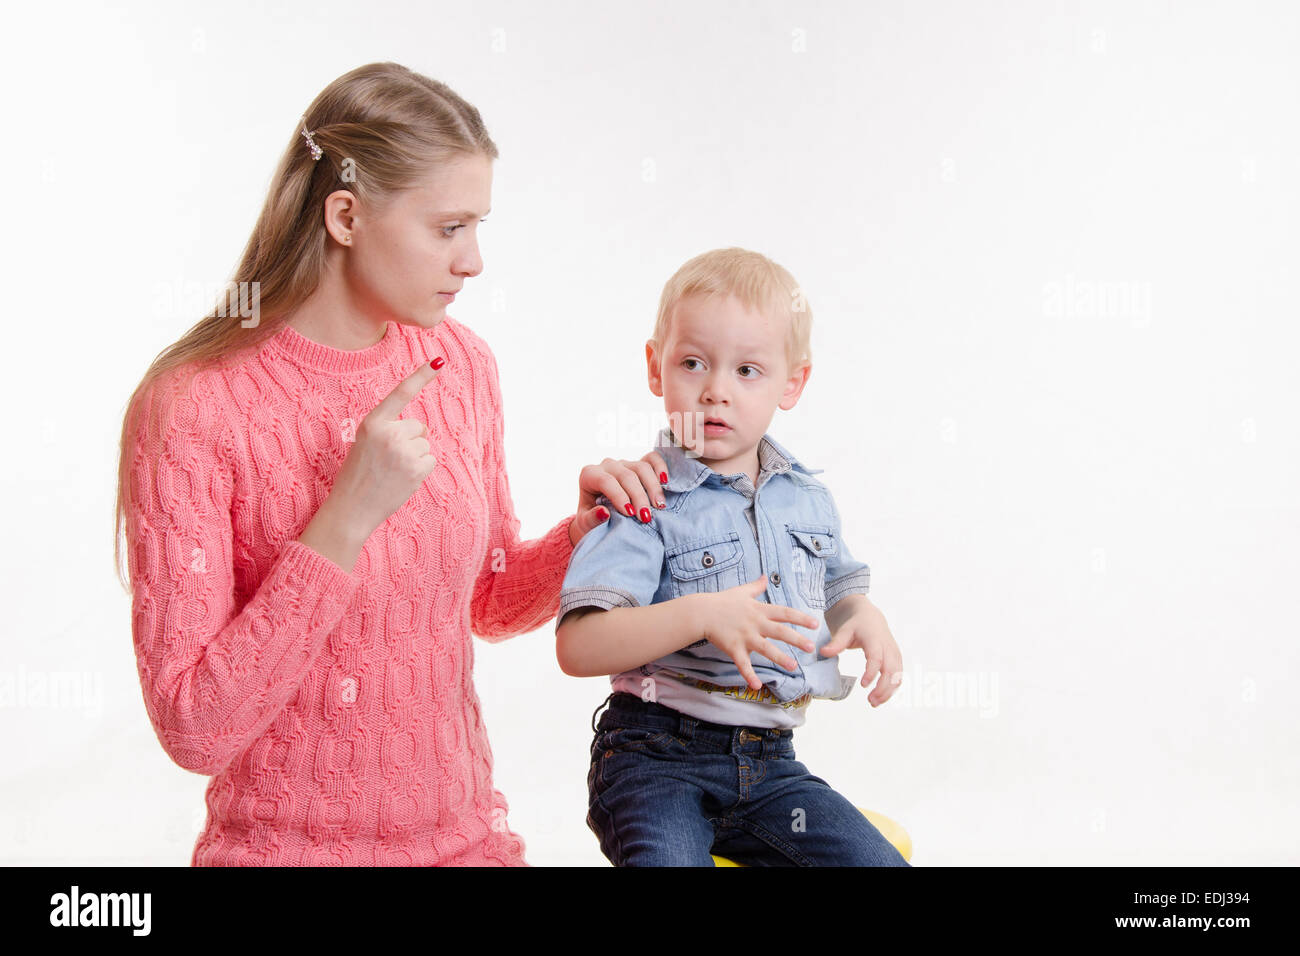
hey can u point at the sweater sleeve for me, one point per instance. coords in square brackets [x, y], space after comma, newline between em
[214, 676]
[518, 586]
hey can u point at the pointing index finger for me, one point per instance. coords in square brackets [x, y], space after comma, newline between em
[404, 392]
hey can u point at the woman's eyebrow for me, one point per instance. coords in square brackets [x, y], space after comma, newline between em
[461, 214]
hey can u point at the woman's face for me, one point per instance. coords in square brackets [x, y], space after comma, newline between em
[406, 262]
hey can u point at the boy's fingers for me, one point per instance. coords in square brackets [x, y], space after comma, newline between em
[779, 632]
[780, 612]
[839, 642]
[777, 657]
[885, 687]
[747, 670]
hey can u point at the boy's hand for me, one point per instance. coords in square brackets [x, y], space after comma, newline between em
[736, 624]
[867, 629]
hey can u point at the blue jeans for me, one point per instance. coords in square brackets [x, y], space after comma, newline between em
[666, 789]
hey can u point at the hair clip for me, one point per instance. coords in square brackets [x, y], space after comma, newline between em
[315, 150]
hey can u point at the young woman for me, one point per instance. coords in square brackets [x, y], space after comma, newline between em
[317, 512]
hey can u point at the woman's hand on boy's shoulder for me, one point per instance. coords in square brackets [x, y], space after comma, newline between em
[633, 487]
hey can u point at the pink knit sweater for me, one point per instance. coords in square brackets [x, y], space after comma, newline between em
[334, 711]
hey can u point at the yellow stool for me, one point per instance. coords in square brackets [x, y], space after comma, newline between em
[891, 830]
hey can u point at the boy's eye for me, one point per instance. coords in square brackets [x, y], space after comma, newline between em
[750, 367]
[684, 361]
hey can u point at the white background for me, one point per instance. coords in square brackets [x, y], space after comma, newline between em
[1050, 250]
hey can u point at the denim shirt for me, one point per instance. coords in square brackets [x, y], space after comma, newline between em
[716, 532]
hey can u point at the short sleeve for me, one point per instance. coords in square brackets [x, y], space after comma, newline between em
[845, 574]
[618, 563]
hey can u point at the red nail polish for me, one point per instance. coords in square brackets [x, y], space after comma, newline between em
[602, 513]
[645, 515]
[438, 362]
[663, 477]
[631, 512]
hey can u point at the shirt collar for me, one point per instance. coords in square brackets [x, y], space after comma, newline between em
[686, 471]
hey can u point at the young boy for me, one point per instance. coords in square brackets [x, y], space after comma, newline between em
[715, 616]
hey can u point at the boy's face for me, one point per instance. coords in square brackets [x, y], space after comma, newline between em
[726, 363]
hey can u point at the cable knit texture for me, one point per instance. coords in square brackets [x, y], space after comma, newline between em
[334, 710]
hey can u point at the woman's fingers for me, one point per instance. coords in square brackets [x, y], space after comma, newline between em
[411, 427]
[658, 465]
[625, 490]
[404, 393]
[633, 487]
[608, 485]
[648, 480]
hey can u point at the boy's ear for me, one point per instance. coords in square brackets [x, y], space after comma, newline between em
[794, 386]
[652, 370]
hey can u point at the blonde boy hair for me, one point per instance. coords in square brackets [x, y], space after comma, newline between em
[755, 280]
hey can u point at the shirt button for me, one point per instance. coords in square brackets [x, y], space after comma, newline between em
[776, 579]
[707, 560]
[817, 544]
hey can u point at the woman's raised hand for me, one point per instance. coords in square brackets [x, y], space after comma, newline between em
[389, 459]
[631, 486]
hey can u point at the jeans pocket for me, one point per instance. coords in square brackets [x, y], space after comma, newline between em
[629, 740]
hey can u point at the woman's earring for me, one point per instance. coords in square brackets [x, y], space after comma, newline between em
[347, 238]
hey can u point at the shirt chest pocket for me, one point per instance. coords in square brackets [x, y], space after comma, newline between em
[706, 566]
[810, 548]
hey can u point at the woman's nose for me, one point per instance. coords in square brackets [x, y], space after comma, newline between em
[469, 263]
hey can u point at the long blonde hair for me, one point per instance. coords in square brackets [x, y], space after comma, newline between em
[381, 128]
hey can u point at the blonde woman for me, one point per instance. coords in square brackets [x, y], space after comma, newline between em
[317, 513]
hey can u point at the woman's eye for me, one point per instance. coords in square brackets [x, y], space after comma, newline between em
[449, 231]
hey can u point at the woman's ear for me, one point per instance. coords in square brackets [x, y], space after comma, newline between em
[340, 215]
